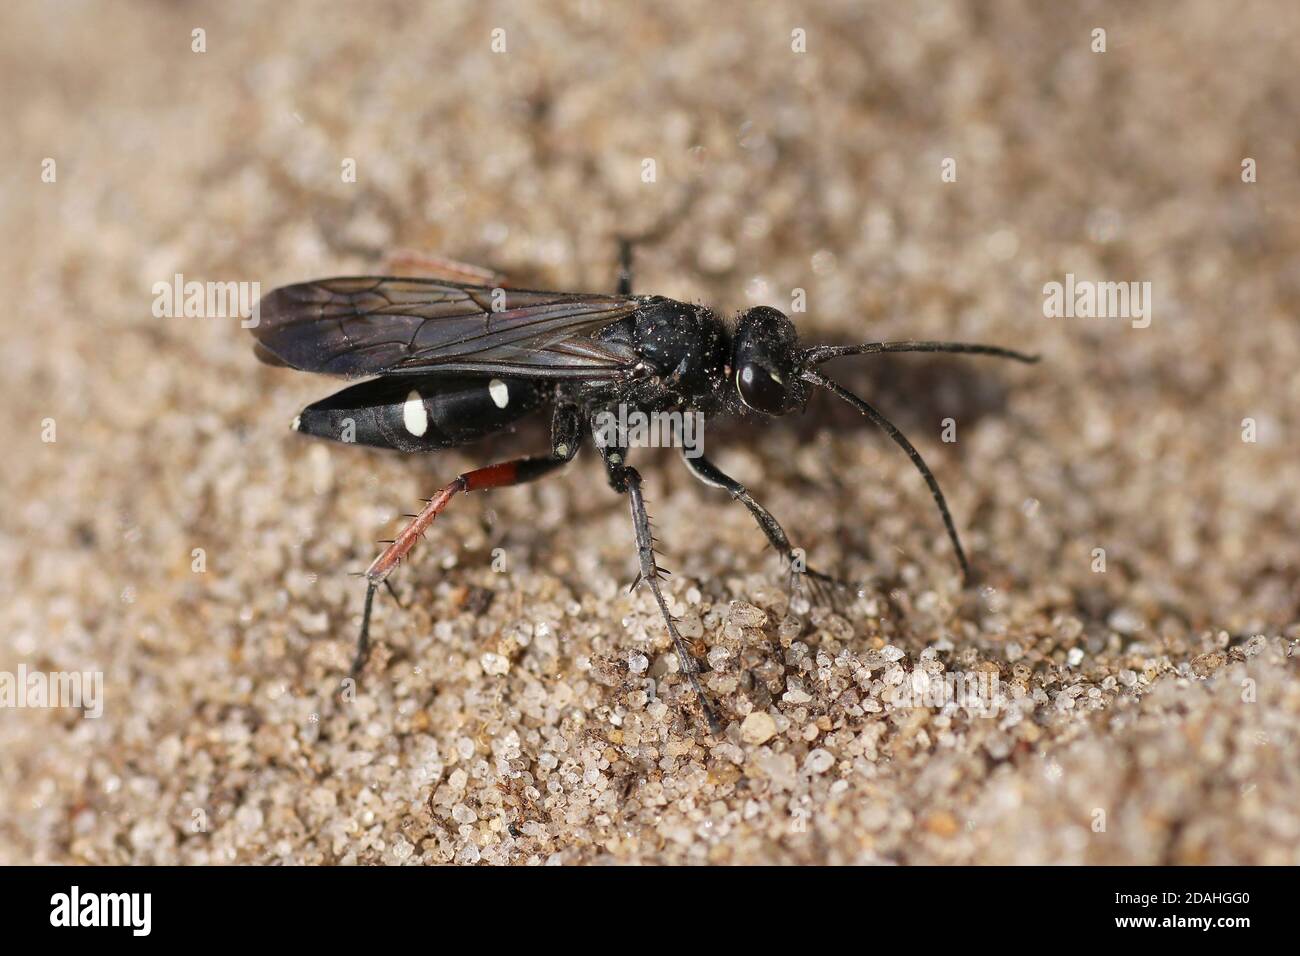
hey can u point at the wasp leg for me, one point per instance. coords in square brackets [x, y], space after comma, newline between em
[428, 265]
[822, 585]
[565, 438]
[624, 266]
[626, 480]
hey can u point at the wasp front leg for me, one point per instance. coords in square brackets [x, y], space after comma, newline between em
[823, 586]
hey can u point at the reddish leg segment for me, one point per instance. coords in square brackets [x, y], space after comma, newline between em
[493, 476]
[432, 266]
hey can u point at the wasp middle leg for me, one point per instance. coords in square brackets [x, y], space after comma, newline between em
[627, 480]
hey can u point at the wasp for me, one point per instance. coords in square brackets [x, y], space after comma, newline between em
[446, 363]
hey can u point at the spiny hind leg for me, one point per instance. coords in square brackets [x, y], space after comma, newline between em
[565, 439]
[429, 265]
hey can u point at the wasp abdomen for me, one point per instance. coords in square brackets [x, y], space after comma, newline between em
[421, 413]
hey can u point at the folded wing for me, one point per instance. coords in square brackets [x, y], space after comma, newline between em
[371, 325]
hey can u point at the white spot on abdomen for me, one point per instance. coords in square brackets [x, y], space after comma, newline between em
[500, 393]
[414, 417]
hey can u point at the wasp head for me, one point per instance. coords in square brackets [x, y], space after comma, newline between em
[765, 361]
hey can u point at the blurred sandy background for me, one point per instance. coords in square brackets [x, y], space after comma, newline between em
[1150, 712]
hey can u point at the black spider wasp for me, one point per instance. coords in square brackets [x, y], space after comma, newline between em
[453, 362]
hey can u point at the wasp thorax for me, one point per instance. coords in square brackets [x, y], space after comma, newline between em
[764, 353]
[682, 342]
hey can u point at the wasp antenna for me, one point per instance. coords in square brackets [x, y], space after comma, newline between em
[824, 353]
[900, 439]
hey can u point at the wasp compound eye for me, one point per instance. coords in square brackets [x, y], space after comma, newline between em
[761, 390]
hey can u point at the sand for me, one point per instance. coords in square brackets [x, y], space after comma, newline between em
[1129, 502]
